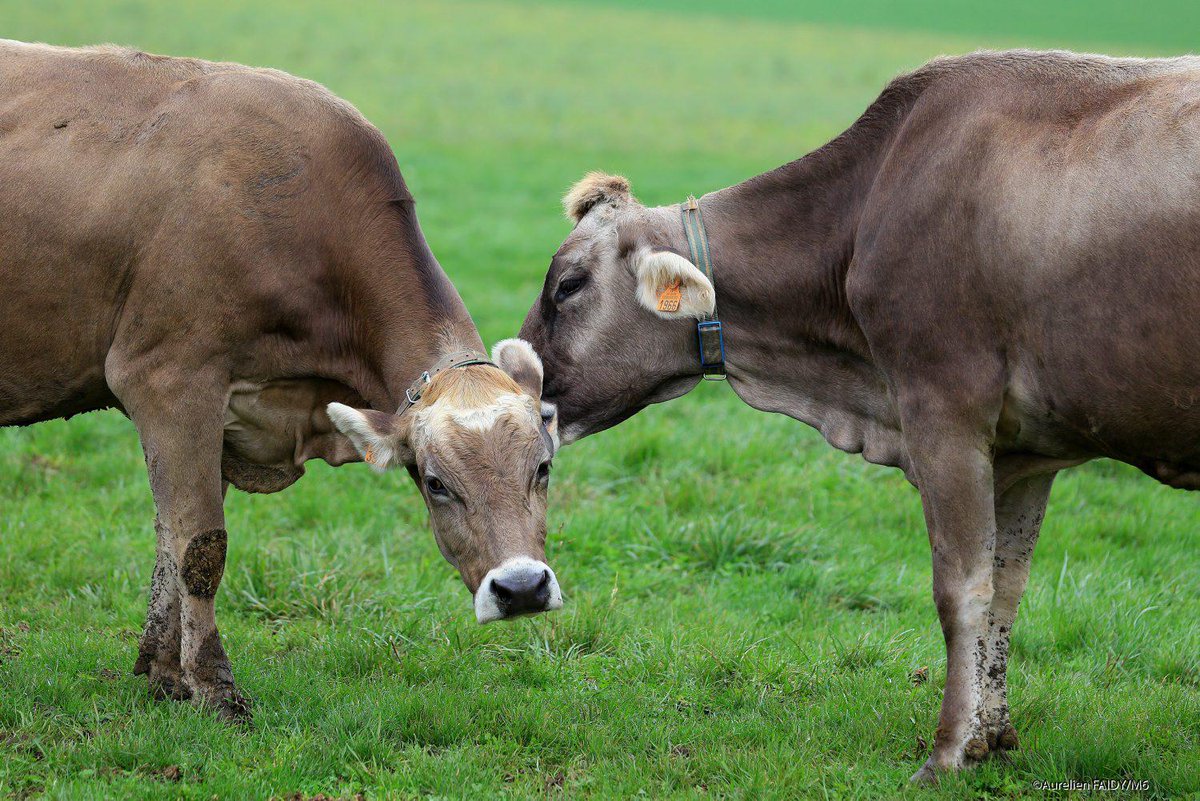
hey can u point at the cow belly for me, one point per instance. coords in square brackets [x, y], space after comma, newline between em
[1146, 417]
[51, 355]
[1179, 476]
[59, 295]
[25, 403]
[47, 374]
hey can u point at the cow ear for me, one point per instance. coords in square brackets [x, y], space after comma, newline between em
[518, 358]
[671, 286]
[381, 439]
[592, 190]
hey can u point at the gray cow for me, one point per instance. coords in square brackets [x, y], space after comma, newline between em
[231, 257]
[994, 274]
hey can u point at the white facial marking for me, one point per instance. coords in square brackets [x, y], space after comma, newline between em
[549, 412]
[570, 433]
[436, 417]
[486, 607]
[488, 416]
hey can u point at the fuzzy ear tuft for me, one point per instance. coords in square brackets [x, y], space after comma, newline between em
[381, 439]
[593, 189]
[518, 358]
[672, 287]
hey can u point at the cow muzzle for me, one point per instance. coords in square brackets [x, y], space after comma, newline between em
[520, 586]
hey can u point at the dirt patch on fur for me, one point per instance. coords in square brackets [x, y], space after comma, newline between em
[204, 563]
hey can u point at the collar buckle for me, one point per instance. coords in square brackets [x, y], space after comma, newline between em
[711, 339]
[413, 394]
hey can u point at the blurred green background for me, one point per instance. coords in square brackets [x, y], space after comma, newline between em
[746, 608]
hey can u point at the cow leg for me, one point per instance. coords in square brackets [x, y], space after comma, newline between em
[1019, 513]
[954, 475]
[158, 650]
[159, 647]
[181, 427]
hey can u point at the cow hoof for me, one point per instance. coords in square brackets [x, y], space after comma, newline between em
[926, 776]
[165, 679]
[167, 686]
[1008, 740]
[976, 750]
[229, 704]
[235, 709]
[1001, 739]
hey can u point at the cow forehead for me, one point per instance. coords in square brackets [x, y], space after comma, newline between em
[445, 416]
[594, 236]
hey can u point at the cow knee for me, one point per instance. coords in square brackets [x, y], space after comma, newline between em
[956, 600]
[203, 563]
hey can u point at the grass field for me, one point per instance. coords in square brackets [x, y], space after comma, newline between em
[745, 606]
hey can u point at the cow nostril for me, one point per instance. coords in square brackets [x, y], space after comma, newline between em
[541, 593]
[502, 593]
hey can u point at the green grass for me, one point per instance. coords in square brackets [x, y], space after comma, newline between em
[745, 606]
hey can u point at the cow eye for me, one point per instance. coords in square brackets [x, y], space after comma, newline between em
[543, 473]
[568, 287]
[436, 487]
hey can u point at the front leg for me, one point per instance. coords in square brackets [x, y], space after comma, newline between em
[1019, 513]
[179, 418]
[953, 471]
[158, 649]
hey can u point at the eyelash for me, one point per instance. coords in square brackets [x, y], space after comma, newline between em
[436, 487]
[568, 287]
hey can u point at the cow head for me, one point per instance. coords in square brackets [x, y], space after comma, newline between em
[609, 347]
[475, 444]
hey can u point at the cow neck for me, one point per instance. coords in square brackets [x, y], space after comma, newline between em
[782, 244]
[449, 345]
[398, 308]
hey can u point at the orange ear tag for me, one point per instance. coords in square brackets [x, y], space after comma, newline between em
[369, 456]
[668, 297]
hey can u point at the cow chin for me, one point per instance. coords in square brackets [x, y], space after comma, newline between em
[520, 586]
[594, 424]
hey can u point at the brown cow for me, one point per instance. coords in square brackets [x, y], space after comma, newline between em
[994, 274]
[222, 252]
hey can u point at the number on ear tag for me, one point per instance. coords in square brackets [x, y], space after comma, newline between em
[369, 456]
[668, 297]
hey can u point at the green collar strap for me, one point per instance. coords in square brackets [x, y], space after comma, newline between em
[709, 335]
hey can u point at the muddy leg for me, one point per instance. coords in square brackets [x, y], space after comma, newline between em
[179, 418]
[1019, 513]
[206, 668]
[954, 474]
[158, 651]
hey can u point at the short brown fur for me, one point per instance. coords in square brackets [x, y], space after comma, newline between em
[991, 276]
[220, 252]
